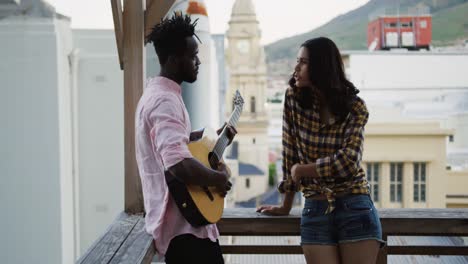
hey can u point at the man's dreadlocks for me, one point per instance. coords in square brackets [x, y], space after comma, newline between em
[168, 37]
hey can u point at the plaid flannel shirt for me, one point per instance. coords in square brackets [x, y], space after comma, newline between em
[335, 148]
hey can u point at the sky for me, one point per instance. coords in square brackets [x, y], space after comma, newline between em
[278, 19]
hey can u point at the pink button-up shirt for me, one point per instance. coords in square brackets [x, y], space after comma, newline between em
[162, 133]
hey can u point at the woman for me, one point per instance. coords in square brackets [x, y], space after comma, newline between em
[323, 134]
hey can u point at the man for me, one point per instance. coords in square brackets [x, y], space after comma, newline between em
[162, 134]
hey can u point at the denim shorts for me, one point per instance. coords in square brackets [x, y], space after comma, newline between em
[353, 219]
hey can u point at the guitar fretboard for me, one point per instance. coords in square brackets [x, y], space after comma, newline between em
[223, 140]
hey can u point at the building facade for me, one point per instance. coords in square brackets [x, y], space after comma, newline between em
[406, 164]
[247, 73]
[36, 137]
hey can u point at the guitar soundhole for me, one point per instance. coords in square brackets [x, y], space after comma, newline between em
[208, 192]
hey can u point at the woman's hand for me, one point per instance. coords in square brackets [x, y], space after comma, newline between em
[273, 210]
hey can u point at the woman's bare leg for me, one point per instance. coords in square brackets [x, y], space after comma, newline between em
[321, 254]
[362, 252]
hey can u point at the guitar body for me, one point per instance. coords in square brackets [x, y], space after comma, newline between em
[194, 203]
[201, 205]
[212, 210]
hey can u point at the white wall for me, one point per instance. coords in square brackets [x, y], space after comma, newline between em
[408, 70]
[33, 139]
[254, 153]
[384, 76]
[67, 195]
[257, 187]
[100, 133]
[460, 123]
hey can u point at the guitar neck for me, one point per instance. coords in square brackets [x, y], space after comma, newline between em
[223, 139]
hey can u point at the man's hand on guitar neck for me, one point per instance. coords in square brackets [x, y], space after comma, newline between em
[231, 132]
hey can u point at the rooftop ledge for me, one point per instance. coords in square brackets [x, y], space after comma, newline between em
[126, 240]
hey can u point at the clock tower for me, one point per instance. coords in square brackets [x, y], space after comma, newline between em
[247, 73]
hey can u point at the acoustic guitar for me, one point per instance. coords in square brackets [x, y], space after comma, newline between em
[202, 205]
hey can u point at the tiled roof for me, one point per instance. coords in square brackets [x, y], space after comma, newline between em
[246, 169]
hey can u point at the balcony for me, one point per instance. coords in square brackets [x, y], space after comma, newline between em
[126, 241]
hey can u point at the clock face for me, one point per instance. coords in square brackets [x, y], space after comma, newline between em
[243, 46]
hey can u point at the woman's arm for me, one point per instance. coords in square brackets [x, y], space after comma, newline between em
[299, 171]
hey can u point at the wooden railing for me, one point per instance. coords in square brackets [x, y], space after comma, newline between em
[127, 242]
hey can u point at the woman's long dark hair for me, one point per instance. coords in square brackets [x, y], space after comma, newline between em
[326, 73]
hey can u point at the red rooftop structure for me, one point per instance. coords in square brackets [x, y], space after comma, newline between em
[411, 32]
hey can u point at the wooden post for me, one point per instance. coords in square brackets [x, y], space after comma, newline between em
[117, 15]
[155, 10]
[134, 74]
[129, 33]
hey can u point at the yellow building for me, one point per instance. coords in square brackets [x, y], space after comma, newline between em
[416, 147]
[457, 191]
[406, 166]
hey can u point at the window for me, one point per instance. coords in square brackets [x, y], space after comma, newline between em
[419, 182]
[253, 141]
[373, 175]
[252, 104]
[247, 183]
[407, 24]
[396, 177]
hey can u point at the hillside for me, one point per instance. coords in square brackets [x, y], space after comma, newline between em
[450, 26]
